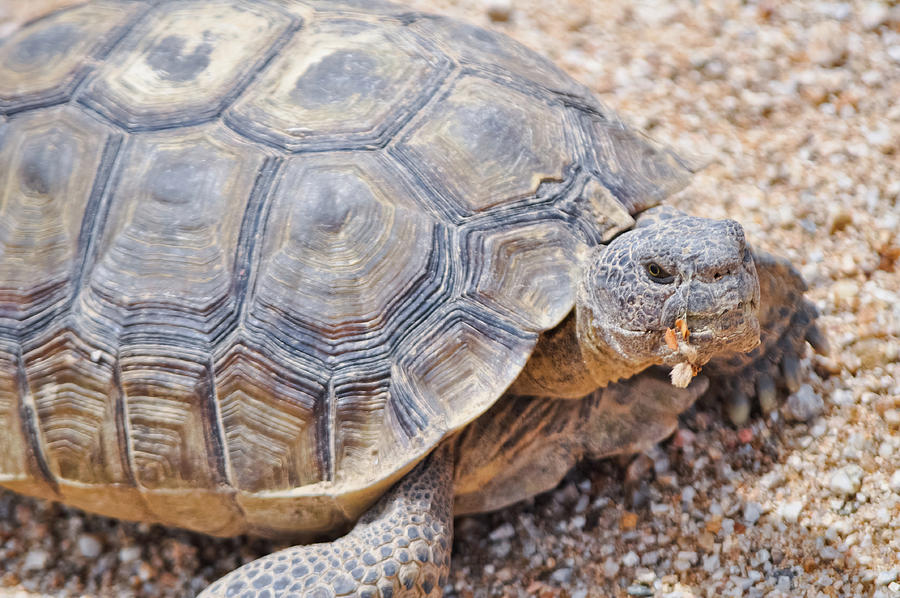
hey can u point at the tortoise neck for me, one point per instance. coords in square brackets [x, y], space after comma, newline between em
[570, 361]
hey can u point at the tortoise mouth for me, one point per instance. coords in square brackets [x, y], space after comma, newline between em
[707, 325]
[732, 329]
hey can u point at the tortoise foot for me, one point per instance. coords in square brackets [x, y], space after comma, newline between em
[399, 549]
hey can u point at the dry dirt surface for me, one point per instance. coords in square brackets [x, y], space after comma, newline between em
[793, 107]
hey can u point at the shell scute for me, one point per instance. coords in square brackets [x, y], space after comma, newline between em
[528, 273]
[461, 145]
[186, 63]
[340, 83]
[52, 162]
[42, 64]
[496, 54]
[166, 255]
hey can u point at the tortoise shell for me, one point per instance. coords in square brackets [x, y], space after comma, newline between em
[258, 258]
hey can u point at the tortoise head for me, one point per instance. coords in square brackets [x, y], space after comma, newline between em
[675, 289]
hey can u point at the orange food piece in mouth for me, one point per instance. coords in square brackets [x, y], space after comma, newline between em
[681, 325]
[671, 341]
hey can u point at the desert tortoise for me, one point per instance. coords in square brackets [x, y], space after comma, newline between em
[259, 260]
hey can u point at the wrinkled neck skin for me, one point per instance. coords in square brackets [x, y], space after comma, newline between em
[575, 359]
[603, 355]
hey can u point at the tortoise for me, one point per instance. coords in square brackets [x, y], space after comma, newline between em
[302, 267]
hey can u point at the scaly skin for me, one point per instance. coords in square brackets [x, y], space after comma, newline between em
[399, 549]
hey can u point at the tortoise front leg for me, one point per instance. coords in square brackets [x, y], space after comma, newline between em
[525, 445]
[399, 549]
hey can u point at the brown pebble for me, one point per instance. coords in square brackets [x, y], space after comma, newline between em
[714, 524]
[629, 520]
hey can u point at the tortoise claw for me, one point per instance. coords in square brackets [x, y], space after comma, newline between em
[817, 340]
[766, 393]
[737, 407]
[790, 367]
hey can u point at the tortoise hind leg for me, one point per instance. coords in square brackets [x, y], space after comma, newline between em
[399, 549]
[787, 323]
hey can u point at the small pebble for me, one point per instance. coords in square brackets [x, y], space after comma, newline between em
[35, 559]
[129, 554]
[504, 532]
[610, 567]
[563, 575]
[895, 481]
[752, 512]
[499, 11]
[631, 559]
[89, 546]
[874, 15]
[790, 511]
[846, 481]
[804, 405]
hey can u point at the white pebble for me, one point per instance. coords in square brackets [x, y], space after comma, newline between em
[129, 554]
[645, 576]
[89, 546]
[687, 555]
[790, 511]
[886, 577]
[631, 559]
[874, 15]
[563, 575]
[35, 560]
[649, 559]
[610, 567]
[846, 481]
[504, 532]
[829, 553]
[804, 404]
[895, 482]
[711, 563]
[752, 512]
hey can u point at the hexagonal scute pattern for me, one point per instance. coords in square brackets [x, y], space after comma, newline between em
[340, 83]
[176, 208]
[175, 214]
[186, 63]
[42, 64]
[528, 272]
[485, 146]
[51, 161]
[345, 253]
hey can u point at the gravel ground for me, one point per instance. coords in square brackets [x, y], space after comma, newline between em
[793, 107]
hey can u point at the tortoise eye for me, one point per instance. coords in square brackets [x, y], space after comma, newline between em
[658, 274]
